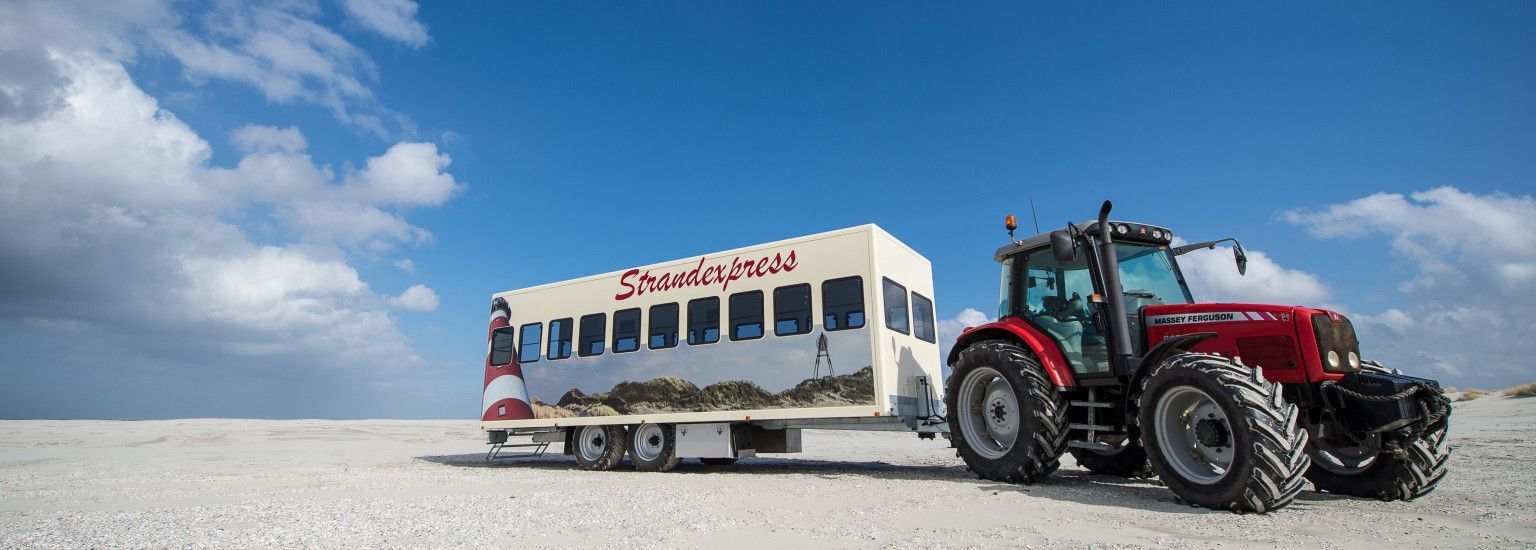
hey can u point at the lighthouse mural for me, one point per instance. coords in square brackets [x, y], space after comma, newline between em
[504, 396]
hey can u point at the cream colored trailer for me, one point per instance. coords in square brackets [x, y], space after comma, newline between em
[832, 330]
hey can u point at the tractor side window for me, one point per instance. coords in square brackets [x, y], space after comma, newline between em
[747, 315]
[663, 332]
[842, 303]
[922, 318]
[626, 330]
[501, 347]
[703, 321]
[559, 339]
[896, 307]
[1057, 301]
[592, 334]
[792, 310]
[531, 335]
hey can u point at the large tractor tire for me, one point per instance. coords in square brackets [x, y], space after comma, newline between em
[1008, 422]
[1220, 436]
[1388, 476]
[1126, 460]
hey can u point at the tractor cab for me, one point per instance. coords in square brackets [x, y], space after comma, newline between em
[1064, 296]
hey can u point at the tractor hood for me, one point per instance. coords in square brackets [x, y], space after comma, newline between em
[1291, 343]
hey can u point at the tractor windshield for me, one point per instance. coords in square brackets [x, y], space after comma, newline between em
[1148, 275]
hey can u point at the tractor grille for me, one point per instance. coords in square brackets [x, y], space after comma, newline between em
[1336, 336]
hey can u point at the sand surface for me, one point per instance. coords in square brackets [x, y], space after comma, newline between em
[425, 484]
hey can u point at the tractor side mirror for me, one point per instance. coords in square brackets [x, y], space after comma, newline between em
[1242, 259]
[1062, 246]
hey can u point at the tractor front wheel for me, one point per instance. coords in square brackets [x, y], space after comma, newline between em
[1220, 436]
[1008, 422]
[1405, 473]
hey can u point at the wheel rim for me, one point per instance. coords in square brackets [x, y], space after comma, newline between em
[989, 413]
[1194, 435]
[592, 442]
[1342, 459]
[649, 442]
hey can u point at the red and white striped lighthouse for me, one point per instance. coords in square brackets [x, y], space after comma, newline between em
[504, 397]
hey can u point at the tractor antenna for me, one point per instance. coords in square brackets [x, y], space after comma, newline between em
[1032, 214]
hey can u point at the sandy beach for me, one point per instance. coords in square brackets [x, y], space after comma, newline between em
[396, 483]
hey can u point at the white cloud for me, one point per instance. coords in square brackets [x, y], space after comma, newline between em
[408, 174]
[1212, 276]
[393, 19]
[1464, 312]
[950, 329]
[416, 298]
[254, 138]
[112, 216]
[278, 48]
[406, 265]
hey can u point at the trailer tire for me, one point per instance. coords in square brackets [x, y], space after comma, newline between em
[1220, 436]
[652, 447]
[598, 447]
[1415, 473]
[1008, 422]
[1129, 460]
[717, 461]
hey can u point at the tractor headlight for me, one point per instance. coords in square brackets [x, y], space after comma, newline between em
[1122, 229]
[1157, 234]
[1354, 360]
[1333, 359]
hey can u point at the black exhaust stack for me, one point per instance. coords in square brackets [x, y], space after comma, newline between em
[1119, 327]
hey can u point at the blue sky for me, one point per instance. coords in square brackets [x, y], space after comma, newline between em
[1378, 158]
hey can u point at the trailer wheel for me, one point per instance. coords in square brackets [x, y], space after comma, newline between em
[599, 447]
[1008, 421]
[1127, 460]
[1220, 436]
[717, 461]
[1412, 472]
[652, 447]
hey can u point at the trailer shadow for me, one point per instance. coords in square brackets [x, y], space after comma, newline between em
[1067, 485]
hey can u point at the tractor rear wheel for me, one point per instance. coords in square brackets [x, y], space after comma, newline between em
[1008, 422]
[1127, 460]
[1412, 472]
[1220, 436]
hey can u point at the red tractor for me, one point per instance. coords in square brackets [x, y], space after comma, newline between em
[1101, 351]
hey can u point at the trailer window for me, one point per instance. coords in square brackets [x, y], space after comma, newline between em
[792, 310]
[922, 318]
[626, 330]
[501, 347]
[530, 335]
[559, 339]
[896, 307]
[842, 303]
[591, 342]
[663, 332]
[703, 321]
[747, 315]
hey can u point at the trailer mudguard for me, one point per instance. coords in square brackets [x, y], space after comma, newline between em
[1015, 330]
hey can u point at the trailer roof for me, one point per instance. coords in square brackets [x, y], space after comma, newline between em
[866, 228]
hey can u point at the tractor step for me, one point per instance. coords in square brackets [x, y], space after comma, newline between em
[1091, 445]
[1091, 427]
[1093, 404]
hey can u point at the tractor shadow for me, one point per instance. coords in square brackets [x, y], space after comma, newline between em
[1067, 484]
